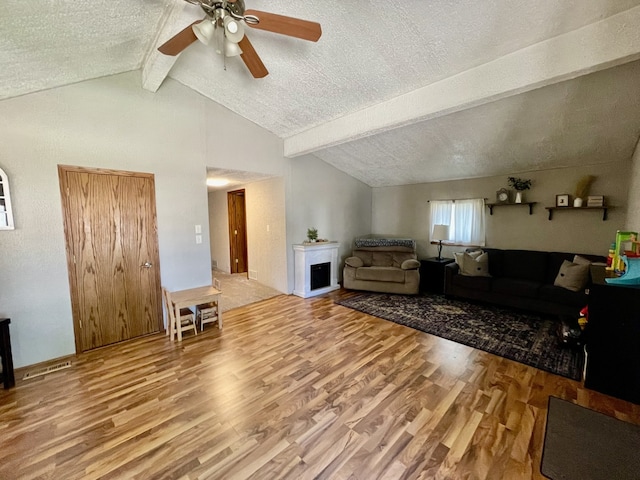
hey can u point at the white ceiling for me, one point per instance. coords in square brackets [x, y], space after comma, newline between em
[393, 93]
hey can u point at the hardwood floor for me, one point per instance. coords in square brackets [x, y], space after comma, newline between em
[292, 388]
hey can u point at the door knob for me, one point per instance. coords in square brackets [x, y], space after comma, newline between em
[147, 265]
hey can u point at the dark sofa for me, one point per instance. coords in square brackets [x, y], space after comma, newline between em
[520, 278]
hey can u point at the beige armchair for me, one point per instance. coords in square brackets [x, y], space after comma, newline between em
[383, 265]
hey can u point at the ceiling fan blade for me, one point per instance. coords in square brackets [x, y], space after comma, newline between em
[251, 59]
[180, 41]
[294, 27]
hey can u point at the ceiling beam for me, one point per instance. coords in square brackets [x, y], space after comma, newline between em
[604, 44]
[156, 66]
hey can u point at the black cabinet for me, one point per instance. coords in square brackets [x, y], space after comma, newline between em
[613, 339]
[432, 274]
[8, 378]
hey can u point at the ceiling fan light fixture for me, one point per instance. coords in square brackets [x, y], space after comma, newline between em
[251, 20]
[233, 30]
[204, 30]
[219, 40]
[224, 25]
[231, 49]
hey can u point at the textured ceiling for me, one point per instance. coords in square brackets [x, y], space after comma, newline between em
[590, 120]
[371, 53]
[54, 43]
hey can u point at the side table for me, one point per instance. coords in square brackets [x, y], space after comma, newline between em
[8, 377]
[432, 274]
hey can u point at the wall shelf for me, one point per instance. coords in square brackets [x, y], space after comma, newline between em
[491, 205]
[604, 210]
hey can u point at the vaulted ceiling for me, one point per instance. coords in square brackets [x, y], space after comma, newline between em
[393, 92]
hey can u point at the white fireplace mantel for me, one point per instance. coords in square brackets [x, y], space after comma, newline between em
[306, 255]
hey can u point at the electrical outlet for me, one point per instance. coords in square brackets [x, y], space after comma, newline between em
[198, 239]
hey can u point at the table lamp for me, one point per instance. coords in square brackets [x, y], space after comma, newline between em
[440, 233]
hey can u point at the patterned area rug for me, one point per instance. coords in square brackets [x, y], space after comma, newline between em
[523, 337]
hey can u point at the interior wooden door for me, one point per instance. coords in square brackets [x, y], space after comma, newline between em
[237, 231]
[112, 254]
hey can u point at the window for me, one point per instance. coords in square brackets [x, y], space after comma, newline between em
[464, 217]
[6, 215]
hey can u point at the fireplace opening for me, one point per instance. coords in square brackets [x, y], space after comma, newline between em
[320, 275]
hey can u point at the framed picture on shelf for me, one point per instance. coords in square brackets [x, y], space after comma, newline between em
[562, 200]
[595, 201]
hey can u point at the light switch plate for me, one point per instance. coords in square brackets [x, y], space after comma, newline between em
[198, 238]
[198, 228]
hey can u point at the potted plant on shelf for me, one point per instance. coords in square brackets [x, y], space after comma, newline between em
[312, 234]
[520, 185]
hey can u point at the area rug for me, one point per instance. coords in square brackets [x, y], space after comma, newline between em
[580, 444]
[523, 337]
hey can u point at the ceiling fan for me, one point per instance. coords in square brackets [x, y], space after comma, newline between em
[224, 24]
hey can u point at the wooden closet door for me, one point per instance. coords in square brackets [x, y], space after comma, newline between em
[112, 253]
[237, 231]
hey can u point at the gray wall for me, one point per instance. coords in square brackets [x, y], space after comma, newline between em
[219, 229]
[321, 196]
[404, 211]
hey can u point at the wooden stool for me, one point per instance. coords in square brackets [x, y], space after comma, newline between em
[186, 321]
[210, 312]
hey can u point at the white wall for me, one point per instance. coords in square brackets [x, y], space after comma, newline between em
[219, 229]
[321, 196]
[404, 211]
[266, 230]
[110, 123]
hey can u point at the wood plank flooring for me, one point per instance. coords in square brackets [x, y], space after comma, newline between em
[292, 388]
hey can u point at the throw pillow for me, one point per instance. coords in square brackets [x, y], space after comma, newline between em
[581, 260]
[410, 264]
[572, 276]
[354, 262]
[459, 256]
[475, 267]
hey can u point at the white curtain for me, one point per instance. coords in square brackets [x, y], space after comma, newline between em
[466, 220]
[441, 211]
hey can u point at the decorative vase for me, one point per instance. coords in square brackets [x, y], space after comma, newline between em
[577, 202]
[518, 196]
